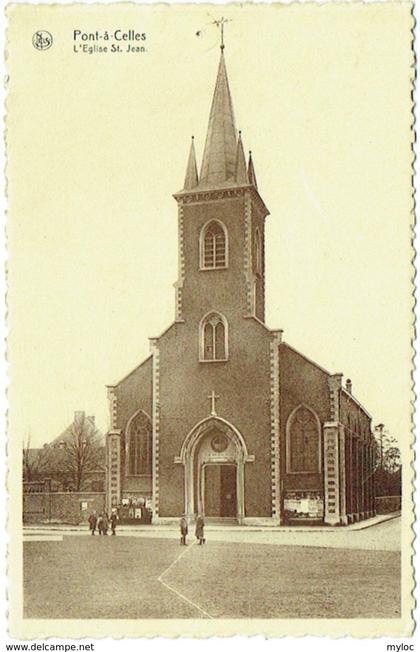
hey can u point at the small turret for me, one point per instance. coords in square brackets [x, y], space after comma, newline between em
[191, 175]
[251, 172]
[241, 175]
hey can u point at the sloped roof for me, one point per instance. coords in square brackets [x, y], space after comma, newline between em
[219, 158]
[89, 424]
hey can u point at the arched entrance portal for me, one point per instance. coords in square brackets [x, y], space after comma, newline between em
[213, 454]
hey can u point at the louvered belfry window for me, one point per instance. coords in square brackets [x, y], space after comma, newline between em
[140, 446]
[214, 338]
[214, 247]
[304, 442]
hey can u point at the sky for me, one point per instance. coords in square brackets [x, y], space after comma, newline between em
[98, 143]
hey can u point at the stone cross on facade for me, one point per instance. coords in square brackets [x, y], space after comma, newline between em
[213, 397]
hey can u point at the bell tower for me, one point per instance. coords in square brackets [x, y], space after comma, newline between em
[221, 222]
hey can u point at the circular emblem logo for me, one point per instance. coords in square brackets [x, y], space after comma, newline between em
[219, 443]
[42, 40]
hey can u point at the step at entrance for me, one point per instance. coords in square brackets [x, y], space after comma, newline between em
[214, 520]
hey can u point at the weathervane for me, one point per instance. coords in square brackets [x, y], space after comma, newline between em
[220, 25]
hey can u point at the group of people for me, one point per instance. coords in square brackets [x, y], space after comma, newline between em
[102, 523]
[199, 529]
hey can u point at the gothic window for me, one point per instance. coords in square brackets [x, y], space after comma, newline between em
[213, 338]
[213, 246]
[303, 441]
[257, 252]
[139, 445]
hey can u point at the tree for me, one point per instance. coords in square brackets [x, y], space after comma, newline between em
[388, 463]
[392, 459]
[388, 457]
[78, 453]
[30, 461]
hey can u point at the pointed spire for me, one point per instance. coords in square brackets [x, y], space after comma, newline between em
[251, 171]
[241, 175]
[191, 175]
[219, 158]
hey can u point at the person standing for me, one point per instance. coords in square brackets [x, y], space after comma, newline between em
[105, 524]
[100, 523]
[92, 522]
[113, 520]
[183, 526]
[199, 530]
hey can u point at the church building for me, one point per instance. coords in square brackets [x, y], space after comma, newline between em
[224, 418]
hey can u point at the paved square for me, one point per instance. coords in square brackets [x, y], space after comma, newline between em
[142, 577]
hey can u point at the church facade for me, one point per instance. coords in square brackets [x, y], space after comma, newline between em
[224, 418]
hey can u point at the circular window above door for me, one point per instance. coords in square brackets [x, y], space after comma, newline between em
[219, 443]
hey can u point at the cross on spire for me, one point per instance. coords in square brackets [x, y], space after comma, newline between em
[213, 397]
[220, 24]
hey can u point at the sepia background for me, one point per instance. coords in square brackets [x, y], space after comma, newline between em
[98, 143]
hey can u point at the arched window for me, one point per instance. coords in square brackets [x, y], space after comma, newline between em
[213, 338]
[213, 246]
[303, 441]
[257, 252]
[139, 445]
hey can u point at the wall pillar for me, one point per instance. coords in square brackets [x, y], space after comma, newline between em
[356, 479]
[331, 473]
[240, 498]
[366, 479]
[371, 484]
[188, 488]
[113, 469]
[372, 468]
[350, 475]
[342, 474]
[359, 480]
[155, 426]
[276, 480]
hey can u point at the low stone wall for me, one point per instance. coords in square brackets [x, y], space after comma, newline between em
[57, 507]
[387, 504]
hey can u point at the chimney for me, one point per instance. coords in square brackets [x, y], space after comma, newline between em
[348, 385]
[79, 416]
[92, 419]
